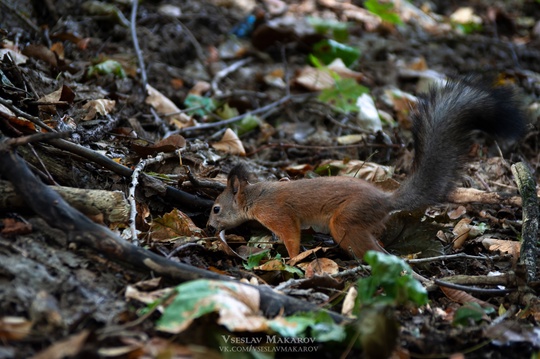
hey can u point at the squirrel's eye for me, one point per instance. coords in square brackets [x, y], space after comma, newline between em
[217, 209]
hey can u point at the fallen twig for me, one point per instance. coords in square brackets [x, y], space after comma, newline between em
[35, 120]
[270, 106]
[229, 69]
[133, 28]
[529, 232]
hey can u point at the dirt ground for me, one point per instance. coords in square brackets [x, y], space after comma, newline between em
[61, 298]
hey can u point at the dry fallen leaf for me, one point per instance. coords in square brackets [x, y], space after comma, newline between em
[461, 230]
[456, 213]
[164, 106]
[339, 67]
[349, 301]
[462, 297]
[14, 328]
[302, 255]
[510, 247]
[68, 347]
[101, 106]
[230, 143]
[321, 266]
[315, 79]
[173, 225]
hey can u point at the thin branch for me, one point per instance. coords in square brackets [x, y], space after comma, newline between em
[36, 121]
[131, 197]
[133, 27]
[226, 71]
[452, 256]
[20, 15]
[38, 137]
[240, 117]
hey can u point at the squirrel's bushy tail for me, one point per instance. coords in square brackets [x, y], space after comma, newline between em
[443, 123]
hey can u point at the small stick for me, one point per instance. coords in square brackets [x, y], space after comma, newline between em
[529, 231]
[133, 27]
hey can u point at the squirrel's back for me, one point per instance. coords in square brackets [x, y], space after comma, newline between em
[443, 122]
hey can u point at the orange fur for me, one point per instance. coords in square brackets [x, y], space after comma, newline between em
[353, 210]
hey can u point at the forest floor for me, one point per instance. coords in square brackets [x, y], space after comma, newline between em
[163, 117]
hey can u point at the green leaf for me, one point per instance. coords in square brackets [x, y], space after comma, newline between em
[470, 312]
[248, 123]
[226, 112]
[467, 28]
[344, 95]
[384, 10]
[200, 297]
[255, 259]
[394, 276]
[316, 325]
[293, 270]
[340, 30]
[107, 67]
[328, 50]
[200, 105]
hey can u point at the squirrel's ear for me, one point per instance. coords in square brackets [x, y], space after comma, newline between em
[238, 179]
[236, 185]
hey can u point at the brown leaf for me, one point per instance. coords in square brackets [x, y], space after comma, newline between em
[230, 143]
[164, 106]
[41, 52]
[315, 79]
[14, 328]
[321, 266]
[173, 225]
[462, 230]
[69, 347]
[462, 297]
[510, 247]
[169, 144]
[13, 227]
[101, 106]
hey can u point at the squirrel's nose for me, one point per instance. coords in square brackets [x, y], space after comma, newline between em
[210, 229]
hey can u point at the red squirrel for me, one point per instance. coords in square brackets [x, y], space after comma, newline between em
[352, 209]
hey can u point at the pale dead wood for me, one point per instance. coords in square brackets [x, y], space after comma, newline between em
[111, 206]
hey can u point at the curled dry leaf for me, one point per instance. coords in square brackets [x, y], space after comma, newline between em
[510, 247]
[14, 328]
[302, 255]
[349, 301]
[64, 94]
[164, 106]
[321, 266]
[273, 265]
[17, 57]
[456, 213]
[315, 79]
[339, 67]
[200, 88]
[462, 297]
[230, 143]
[41, 52]
[145, 296]
[173, 225]
[101, 106]
[462, 230]
[169, 144]
[465, 15]
[12, 227]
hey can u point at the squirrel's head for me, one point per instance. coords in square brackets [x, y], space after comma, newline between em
[230, 208]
